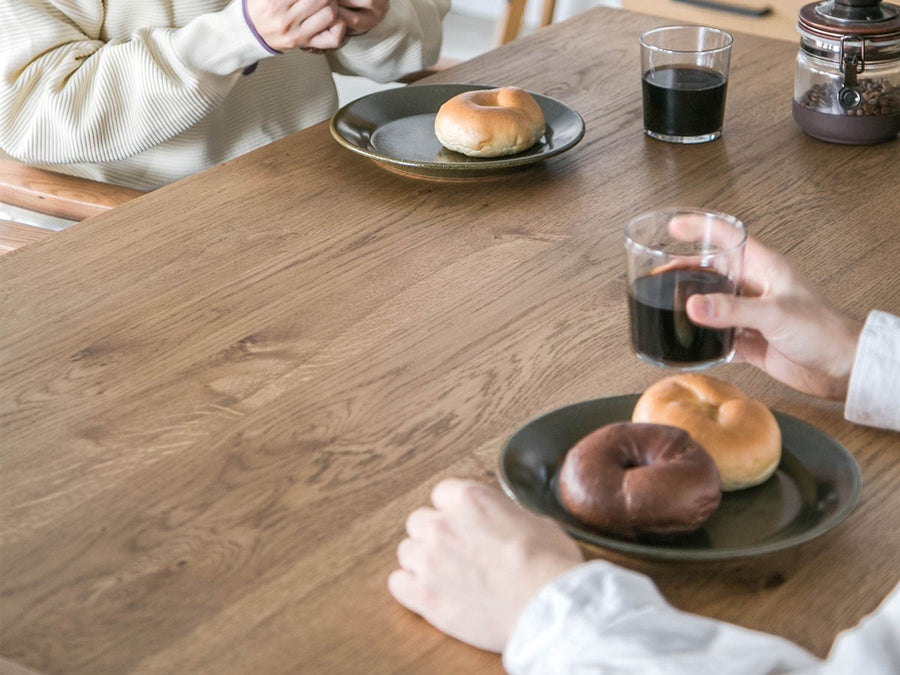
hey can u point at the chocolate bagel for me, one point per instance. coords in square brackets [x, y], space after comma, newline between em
[635, 480]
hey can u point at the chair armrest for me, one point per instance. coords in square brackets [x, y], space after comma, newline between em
[57, 194]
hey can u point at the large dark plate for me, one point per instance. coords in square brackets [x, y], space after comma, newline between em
[816, 486]
[395, 128]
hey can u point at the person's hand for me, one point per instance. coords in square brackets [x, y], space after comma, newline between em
[311, 25]
[789, 329]
[361, 16]
[471, 564]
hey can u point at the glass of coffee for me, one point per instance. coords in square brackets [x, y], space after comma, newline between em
[684, 79]
[670, 256]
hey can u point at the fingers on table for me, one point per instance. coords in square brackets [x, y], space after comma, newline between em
[412, 584]
[466, 496]
[403, 585]
[411, 555]
[421, 523]
[450, 492]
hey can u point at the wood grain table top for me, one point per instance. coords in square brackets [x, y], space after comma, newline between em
[220, 401]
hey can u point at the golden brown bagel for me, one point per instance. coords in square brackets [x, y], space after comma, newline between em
[740, 433]
[490, 122]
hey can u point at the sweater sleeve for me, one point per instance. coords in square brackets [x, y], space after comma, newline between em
[873, 396]
[68, 95]
[408, 39]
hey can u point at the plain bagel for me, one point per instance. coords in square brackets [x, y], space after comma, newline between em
[740, 433]
[490, 122]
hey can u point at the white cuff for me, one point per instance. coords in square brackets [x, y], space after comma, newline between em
[219, 43]
[873, 395]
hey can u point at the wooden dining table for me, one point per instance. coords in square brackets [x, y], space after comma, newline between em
[220, 401]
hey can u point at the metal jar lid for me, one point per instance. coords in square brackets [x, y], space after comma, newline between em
[834, 19]
[866, 31]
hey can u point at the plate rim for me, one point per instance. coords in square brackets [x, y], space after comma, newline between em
[489, 165]
[650, 551]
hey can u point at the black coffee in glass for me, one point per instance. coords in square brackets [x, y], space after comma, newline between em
[684, 101]
[660, 328]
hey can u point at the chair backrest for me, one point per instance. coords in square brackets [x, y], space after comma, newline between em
[511, 24]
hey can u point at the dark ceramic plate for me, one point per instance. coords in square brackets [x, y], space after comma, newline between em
[396, 129]
[816, 486]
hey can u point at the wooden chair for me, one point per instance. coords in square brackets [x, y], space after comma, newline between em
[52, 194]
[511, 24]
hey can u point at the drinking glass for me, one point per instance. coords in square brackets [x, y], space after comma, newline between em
[684, 72]
[671, 255]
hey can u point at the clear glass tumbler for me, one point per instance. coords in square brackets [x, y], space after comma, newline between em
[670, 256]
[684, 73]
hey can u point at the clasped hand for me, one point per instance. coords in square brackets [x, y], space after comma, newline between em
[313, 25]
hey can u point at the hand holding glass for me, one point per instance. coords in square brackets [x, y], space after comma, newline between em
[671, 255]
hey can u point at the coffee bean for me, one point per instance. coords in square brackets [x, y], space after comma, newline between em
[877, 97]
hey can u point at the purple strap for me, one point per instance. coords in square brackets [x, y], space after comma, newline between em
[254, 31]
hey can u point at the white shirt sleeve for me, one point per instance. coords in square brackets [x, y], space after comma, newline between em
[873, 397]
[600, 618]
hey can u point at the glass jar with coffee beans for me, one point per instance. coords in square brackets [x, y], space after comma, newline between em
[847, 81]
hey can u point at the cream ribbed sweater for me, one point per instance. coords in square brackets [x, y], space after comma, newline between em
[143, 92]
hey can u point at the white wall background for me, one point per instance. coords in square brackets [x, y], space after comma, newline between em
[494, 8]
